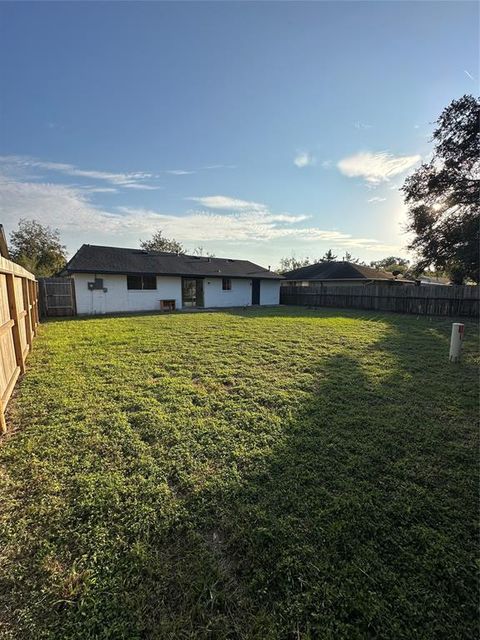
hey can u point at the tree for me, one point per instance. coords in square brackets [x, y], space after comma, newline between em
[443, 195]
[201, 251]
[158, 242]
[292, 263]
[392, 264]
[349, 258]
[38, 248]
[328, 256]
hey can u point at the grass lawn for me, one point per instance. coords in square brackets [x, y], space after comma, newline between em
[270, 474]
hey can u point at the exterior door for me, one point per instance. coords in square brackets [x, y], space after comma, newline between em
[98, 301]
[255, 291]
[192, 292]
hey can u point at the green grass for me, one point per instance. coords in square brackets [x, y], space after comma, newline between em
[269, 474]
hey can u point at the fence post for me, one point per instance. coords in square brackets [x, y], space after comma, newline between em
[35, 295]
[12, 303]
[3, 424]
[28, 308]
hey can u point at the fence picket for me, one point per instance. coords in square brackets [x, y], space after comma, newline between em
[459, 301]
[18, 325]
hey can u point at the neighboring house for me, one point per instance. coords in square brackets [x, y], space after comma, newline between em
[437, 280]
[112, 279]
[338, 274]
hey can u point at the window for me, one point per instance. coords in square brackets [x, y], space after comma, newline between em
[226, 284]
[149, 282]
[141, 282]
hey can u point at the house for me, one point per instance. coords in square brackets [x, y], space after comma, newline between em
[435, 280]
[339, 274]
[113, 279]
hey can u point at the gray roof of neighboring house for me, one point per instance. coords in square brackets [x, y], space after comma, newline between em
[96, 259]
[337, 271]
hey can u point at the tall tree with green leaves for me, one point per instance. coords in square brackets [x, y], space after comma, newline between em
[291, 263]
[201, 251]
[328, 256]
[349, 258]
[38, 248]
[391, 264]
[443, 195]
[159, 242]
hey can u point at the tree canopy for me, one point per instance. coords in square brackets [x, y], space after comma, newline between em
[291, 263]
[392, 264]
[38, 248]
[159, 242]
[443, 195]
[328, 256]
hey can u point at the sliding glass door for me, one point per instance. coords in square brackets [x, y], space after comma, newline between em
[192, 292]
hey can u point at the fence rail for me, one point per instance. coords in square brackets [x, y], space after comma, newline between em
[19, 319]
[429, 300]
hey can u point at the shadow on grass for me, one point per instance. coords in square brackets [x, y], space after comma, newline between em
[359, 524]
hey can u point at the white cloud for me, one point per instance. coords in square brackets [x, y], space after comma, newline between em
[376, 167]
[220, 166]
[179, 172]
[362, 125]
[226, 203]
[100, 189]
[141, 186]
[71, 211]
[468, 74]
[303, 159]
[376, 199]
[132, 180]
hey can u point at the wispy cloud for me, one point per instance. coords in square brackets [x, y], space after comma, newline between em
[225, 203]
[142, 186]
[133, 180]
[376, 167]
[100, 189]
[376, 199]
[304, 159]
[362, 125]
[220, 166]
[209, 167]
[468, 74]
[71, 210]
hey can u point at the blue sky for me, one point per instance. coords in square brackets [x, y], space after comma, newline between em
[257, 130]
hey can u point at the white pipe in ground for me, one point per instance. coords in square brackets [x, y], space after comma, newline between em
[456, 340]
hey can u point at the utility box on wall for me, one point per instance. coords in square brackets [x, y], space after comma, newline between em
[96, 285]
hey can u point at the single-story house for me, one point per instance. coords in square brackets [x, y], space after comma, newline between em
[339, 274]
[113, 279]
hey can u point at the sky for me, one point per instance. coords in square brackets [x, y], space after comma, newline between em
[253, 129]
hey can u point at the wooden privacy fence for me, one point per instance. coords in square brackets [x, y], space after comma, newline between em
[431, 300]
[18, 324]
[57, 297]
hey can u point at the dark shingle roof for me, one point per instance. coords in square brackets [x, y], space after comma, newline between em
[337, 271]
[95, 259]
